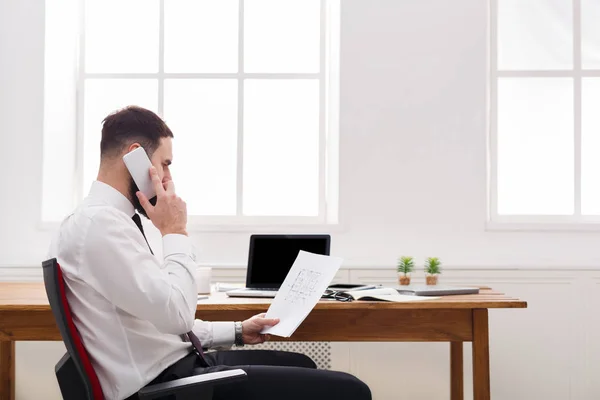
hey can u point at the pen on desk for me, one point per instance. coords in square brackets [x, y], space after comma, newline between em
[202, 297]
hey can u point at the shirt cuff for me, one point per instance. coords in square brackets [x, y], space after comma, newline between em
[174, 243]
[223, 334]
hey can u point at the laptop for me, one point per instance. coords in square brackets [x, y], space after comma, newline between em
[271, 257]
[435, 290]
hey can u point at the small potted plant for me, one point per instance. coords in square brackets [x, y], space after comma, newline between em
[405, 267]
[432, 269]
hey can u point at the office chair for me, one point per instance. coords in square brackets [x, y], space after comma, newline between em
[75, 374]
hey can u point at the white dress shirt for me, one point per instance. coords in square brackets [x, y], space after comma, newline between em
[129, 307]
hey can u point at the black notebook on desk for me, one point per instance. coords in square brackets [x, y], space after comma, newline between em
[435, 290]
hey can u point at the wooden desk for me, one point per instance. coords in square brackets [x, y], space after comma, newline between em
[26, 315]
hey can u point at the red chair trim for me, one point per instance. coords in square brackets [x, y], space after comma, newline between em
[82, 353]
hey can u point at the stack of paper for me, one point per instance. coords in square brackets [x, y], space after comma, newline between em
[226, 286]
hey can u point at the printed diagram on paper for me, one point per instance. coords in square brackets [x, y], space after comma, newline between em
[301, 291]
[303, 287]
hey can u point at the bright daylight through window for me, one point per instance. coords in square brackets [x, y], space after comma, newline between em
[545, 127]
[249, 88]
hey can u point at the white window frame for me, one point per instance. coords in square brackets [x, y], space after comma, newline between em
[328, 76]
[577, 221]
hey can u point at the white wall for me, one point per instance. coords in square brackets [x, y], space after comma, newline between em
[413, 182]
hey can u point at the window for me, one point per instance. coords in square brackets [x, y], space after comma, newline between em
[249, 88]
[545, 124]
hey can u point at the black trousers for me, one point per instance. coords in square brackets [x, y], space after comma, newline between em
[272, 375]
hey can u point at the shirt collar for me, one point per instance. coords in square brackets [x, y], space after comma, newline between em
[111, 196]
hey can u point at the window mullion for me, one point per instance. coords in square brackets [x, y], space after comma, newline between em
[322, 113]
[202, 75]
[577, 103]
[78, 194]
[161, 59]
[493, 116]
[240, 115]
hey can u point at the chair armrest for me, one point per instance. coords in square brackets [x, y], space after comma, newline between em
[192, 382]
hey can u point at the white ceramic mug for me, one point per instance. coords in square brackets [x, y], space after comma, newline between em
[203, 278]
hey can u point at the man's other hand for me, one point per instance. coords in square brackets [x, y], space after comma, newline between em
[169, 214]
[251, 328]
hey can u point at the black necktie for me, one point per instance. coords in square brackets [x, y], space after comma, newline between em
[190, 335]
[138, 221]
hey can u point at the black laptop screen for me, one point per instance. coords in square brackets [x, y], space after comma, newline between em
[271, 258]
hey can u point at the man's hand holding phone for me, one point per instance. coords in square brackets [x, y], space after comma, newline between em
[169, 214]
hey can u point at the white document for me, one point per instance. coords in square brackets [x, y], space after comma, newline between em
[301, 290]
[386, 294]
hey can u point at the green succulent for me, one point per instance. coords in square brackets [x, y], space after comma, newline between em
[432, 265]
[406, 265]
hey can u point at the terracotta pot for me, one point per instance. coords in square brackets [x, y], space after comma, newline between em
[431, 279]
[404, 279]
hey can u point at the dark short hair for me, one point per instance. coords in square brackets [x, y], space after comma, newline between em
[130, 125]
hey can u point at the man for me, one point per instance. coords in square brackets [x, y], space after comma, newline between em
[135, 313]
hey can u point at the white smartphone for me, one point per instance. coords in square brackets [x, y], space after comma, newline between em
[138, 164]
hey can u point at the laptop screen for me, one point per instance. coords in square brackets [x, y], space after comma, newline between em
[272, 256]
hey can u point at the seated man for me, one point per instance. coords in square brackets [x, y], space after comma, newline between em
[136, 313]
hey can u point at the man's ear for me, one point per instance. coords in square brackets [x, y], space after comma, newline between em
[133, 146]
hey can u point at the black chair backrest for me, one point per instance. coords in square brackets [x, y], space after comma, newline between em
[57, 296]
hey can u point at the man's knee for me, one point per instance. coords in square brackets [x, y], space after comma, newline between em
[354, 387]
[305, 361]
[364, 392]
[299, 360]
